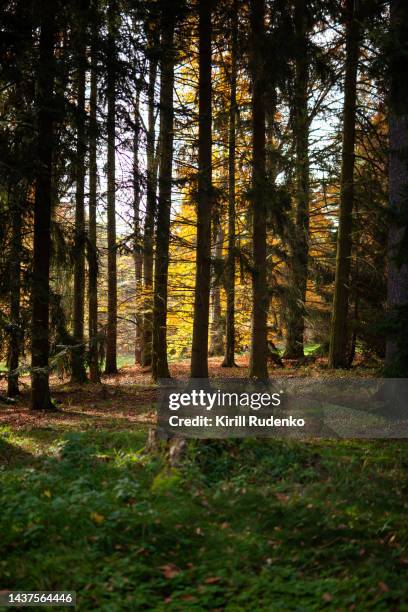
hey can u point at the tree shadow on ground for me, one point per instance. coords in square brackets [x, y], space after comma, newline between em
[12, 455]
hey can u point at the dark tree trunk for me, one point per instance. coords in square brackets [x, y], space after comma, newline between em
[229, 359]
[94, 372]
[355, 293]
[160, 365]
[338, 354]
[300, 246]
[398, 175]
[199, 351]
[111, 336]
[15, 291]
[151, 189]
[40, 391]
[217, 327]
[137, 251]
[78, 373]
[258, 367]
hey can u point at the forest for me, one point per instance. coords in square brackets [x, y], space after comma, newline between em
[200, 190]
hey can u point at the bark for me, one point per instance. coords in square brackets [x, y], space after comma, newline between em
[137, 252]
[397, 290]
[353, 343]
[15, 294]
[151, 189]
[94, 372]
[217, 327]
[355, 295]
[78, 373]
[229, 359]
[40, 391]
[258, 367]
[160, 365]
[111, 335]
[338, 354]
[300, 245]
[199, 351]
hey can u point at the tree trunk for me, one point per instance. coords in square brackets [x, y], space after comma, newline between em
[137, 252]
[94, 372]
[148, 237]
[398, 175]
[300, 247]
[15, 291]
[111, 336]
[229, 359]
[160, 365]
[258, 367]
[40, 391]
[338, 354]
[199, 351]
[355, 293]
[217, 327]
[78, 373]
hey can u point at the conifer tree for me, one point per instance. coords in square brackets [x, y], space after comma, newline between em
[45, 134]
[111, 335]
[338, 356]
[258, 367]
[160, 366]
[199, 349]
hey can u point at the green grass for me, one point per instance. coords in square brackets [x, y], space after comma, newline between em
[250, 525]
[126, 360]
[311, 348]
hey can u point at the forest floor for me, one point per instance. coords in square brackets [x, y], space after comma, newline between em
[242, 525]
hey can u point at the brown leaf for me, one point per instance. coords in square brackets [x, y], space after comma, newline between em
[170, 570]
[282, 497]
[328, 597]
[383, 587]
[212, 579]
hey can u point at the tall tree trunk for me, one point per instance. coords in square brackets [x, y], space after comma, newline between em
[40, 391]
[355, 293]
[15, 294]
[111, 336]
[137, 251]
[151, 190]
[229, 359]
[338, 354]
[258, 367]
[78, 373]
[160, 365]
[300, 246]
[199, 351]
[398, 176]
[94, 372]
[217, 327]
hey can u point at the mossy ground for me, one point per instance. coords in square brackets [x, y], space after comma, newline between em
[243, 525]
